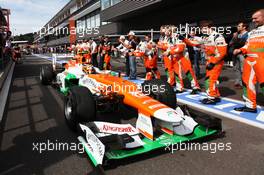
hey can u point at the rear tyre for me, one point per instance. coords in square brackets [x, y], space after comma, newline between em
[161, 91]
[46, 75]
[79, 107]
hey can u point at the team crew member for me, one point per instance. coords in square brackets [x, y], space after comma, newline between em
[124, 51]
[94, 52]
[196, 53]
[215, 48]
[253, 64]
[106, 52]
[161, 38]
[100, 52]
[180, 61]
[164, 44]
[72, 49]
[86, 52]
[16, 54]
[78, 50]
[148, 48]
[239, 40]
[131, 46]
[121, 48]
[78, 47]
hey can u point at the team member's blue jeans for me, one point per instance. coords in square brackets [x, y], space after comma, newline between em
[196, 61]
[239, 64]
[133, 67]
[127, 66]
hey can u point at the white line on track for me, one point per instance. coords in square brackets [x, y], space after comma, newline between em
[223, 114]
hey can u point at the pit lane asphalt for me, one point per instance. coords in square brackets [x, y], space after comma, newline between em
[34, 114]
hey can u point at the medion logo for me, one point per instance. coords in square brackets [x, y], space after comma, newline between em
[108, 128]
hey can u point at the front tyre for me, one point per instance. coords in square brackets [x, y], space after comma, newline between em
[79, 107]
[46, 75]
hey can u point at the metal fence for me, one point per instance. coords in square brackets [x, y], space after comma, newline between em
[1, 59]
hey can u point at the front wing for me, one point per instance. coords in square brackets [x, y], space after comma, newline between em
[97, 151]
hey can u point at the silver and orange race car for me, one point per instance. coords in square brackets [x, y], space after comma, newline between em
[159, 120]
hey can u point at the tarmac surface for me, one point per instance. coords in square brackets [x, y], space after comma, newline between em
[34, 115]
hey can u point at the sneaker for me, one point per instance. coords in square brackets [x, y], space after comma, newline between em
[210, 100]
[130, 78]
[195, 91]
[178, 91]
[246, 109]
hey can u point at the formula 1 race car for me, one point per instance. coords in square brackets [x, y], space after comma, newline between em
[160, 121]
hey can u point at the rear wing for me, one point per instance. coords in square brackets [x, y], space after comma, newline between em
[60, 59]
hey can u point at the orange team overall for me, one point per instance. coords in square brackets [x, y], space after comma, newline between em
[164, 45]
[86, 54]
[150, 60]
[253, 70]
[181, 62]
[78, 57]
[215, 49]
[106, 51]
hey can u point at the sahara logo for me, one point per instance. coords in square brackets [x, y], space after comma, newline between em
[108, 128]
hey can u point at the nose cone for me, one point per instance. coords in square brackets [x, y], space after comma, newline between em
[168, 115]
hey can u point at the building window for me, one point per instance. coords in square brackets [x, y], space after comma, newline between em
[80, 25]
[105, 4]
[97, 20]
[92, 21]
[108, 3]
[88, 22]
[115, 2]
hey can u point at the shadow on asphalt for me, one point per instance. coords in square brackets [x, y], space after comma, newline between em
[21, 157]
[226, 91]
